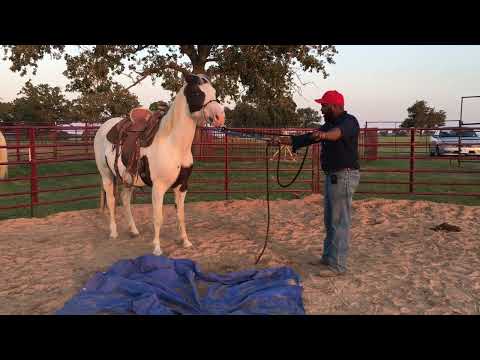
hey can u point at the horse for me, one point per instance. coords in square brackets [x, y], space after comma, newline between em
[3, 157]
[169, 156]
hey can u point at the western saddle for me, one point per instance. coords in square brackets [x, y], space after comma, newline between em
[132, 133]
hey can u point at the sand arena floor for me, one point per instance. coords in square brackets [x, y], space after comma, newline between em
[398, 265]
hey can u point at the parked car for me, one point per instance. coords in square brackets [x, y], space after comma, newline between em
[446, 142]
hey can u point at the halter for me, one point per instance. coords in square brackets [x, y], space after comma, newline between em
[203, 111]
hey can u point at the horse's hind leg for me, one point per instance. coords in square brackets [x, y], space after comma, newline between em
[126, 199]
[109, 192]
[180, 205]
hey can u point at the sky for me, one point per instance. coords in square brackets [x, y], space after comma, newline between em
[379, 82]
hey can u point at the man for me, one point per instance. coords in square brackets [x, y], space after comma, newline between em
[339, 160]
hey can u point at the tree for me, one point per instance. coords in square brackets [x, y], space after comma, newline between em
[40, 104]
[309, 117]
[422, 116]
[255, 74]
[276, 114]
[158, 105]
[96, 107]
[6, 113]
[245, 115]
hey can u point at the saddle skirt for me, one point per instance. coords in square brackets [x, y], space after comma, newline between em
[133, 133]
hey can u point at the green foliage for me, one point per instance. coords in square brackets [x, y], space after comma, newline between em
[24, 57]
[159, 105]
[96, 107]
[40, 104]
[6, 113]
[256, 74]
[309, 117]
[422, 116]
[279, 114]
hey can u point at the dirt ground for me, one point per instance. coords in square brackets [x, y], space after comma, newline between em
[397, 264]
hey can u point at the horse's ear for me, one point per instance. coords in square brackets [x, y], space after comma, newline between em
[190, 78]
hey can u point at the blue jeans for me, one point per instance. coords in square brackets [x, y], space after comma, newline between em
[338, 217]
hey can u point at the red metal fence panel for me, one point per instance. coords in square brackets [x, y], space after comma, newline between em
[408, 155]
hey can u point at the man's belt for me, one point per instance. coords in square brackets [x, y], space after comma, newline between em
[328, 172]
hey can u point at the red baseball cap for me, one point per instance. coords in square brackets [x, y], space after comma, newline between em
[332, 97]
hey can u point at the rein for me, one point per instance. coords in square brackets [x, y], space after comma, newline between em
[268, 192]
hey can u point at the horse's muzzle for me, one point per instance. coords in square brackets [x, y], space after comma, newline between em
[218, 120]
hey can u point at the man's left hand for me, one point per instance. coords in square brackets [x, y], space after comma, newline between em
[318, 135]
[279, 140]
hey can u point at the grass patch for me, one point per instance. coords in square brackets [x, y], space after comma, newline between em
[250, 178]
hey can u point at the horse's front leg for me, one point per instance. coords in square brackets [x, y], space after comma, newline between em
[180, 206]
[158, 193]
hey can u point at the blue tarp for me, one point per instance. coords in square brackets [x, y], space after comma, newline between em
[157, 285]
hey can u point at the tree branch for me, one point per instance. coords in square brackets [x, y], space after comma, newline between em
[175, 66]
[138, 81]
[140, 48]
[143, 75]
[303, 84]
[190, 51]
[204, 51]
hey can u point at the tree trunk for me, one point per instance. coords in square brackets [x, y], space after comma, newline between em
[199, 68]
[198, 57]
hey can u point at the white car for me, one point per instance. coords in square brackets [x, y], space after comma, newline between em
[446, 142]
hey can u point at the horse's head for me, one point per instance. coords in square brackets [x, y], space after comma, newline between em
[202, 101]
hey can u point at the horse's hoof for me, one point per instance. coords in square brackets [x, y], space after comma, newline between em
[157, 252]
[113, 237]
[134, 234]
[187, 244]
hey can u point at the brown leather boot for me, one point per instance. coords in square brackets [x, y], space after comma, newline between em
[318, 262]
[328, 271]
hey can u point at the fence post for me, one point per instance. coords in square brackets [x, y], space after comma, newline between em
[412, 158]
[364, 148]
[55, 142]
[17, 141]
[316, 168]
[226, 166]
[427, 150]
[86, 136]
[33, 172]
[395, 140]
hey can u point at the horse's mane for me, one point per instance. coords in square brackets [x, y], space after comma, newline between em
[176, 110]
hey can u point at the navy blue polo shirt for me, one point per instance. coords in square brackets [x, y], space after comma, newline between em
[340, 154]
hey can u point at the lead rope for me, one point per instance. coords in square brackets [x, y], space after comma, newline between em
[268, 190]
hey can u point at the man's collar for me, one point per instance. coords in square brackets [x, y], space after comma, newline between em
[341, 116]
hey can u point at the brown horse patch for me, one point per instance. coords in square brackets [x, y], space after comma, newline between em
[183, 178]
[195, 96]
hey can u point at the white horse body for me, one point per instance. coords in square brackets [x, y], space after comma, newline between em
[3, 157]
[169, 152]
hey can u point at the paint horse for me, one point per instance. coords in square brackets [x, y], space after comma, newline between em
[168, 158]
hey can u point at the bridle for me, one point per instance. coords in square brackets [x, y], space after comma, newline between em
[203, 111]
